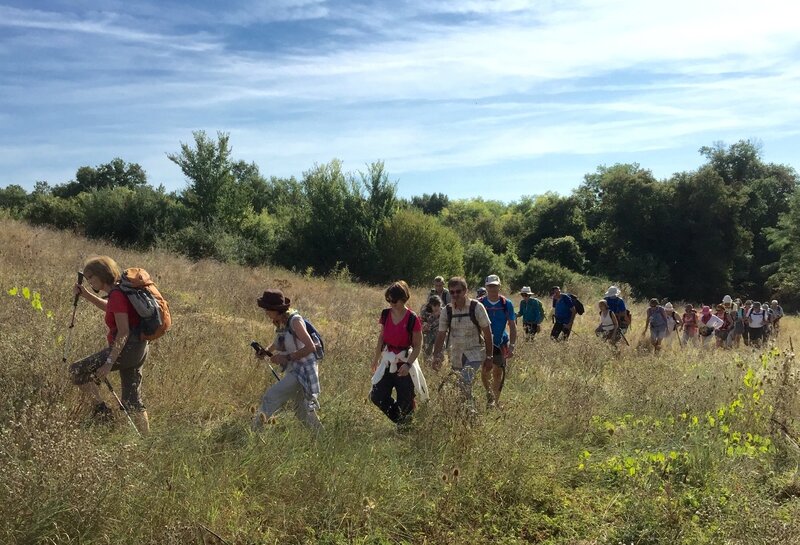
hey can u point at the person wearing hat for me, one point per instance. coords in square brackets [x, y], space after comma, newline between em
[657, 323]
[673, 324]
[738, 324]
[429, 316]
[295, 352]
[744, 311]
[501, 315]
[616, 304]
[439, 290]
[480, 292]
[532, 312]
[708, 323]
[722, 332]
[731, 316]
[564, 312]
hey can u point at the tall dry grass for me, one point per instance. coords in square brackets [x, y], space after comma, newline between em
[574, 457]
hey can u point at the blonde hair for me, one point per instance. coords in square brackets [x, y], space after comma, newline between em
[104, 268]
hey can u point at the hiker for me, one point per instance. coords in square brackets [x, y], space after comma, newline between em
[657, 322]
[294, 350]
[756, 319]
[769, 318]
[746, 309]
[608, 329]
[429, 315]
[690, 324]
[532, 312]
[731, 315]
[470, 331]
[125, 352]
[501, 315]
[723, 331]
[708, 324]
[394, 366]
[777, 314]
[616, 304]
[674, 324]
[564, 312]
[738, 324]
[439, 290]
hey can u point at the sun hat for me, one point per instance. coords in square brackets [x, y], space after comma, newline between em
[526, 290]
[274, 300]
[492, 280]
[727, 299]
[612, 291]
[774, 302]
[706, 309]
[439, 279]
[669, 306]
[765, 307]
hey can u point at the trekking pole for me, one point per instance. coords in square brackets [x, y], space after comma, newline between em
[68, 342]
[259, 350]
[119, 402]
[621, 334]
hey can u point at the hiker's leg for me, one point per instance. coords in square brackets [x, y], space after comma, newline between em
[130, 364]
[556, 331]
[405, 398]
[305, 408]
[275, 397]
[498, 372]
[82, 370]
[468, 371]
[381, 396]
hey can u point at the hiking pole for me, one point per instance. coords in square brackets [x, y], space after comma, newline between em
[68, 343]
[621, 334]
[261, 350]
[119, 401]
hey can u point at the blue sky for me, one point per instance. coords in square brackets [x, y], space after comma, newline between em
[471, 98]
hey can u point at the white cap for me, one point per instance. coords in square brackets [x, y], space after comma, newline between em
[669, 306]
[492, 280]
[613, 291]
[774, 302]
[727, 299]
[526, 289]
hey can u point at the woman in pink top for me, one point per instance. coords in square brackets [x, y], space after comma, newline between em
[399, 344]
[689, 320]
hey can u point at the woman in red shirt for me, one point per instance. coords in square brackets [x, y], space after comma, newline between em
[125, 352]
[394, 365]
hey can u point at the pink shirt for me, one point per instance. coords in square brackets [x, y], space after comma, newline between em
[395, 336]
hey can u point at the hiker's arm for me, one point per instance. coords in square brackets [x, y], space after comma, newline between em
[123, 332]
[376, 358]
[416, 346]
[96, 300]
[301, 336]
[646, 322]
[512, 335]
[487, 336]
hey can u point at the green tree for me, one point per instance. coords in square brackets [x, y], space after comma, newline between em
[415, 247]
[14, 198]
[548, 216]
[116, 173]
[785, 240]
[562, 250]
[432, 204]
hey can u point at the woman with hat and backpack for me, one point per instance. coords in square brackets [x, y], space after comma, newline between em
[294, 350]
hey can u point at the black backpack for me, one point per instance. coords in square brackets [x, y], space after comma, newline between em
[319, 344]
[577, 302]
[473, 303]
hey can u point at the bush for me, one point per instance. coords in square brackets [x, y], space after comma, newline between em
[416, 248]
[541, 275]
[13, 198]
[562, 250]
[49, 210]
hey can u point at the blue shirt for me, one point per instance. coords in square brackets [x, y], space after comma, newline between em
[563, 309]
[615, 304]
[499, 316]
[531, 310]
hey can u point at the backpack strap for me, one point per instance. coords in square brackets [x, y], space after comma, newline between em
[473, 304]
[384, 315]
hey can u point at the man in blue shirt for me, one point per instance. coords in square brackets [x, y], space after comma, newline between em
[501, 314]
[564, 312]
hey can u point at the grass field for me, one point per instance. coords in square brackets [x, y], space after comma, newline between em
[592, 447]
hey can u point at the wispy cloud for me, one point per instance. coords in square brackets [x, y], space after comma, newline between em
[427, 86]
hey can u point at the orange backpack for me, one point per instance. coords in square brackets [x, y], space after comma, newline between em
[151, 306]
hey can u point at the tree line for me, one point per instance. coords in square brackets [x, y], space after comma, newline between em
[730, 226]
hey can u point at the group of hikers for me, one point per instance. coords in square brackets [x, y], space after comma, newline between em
[479, 334]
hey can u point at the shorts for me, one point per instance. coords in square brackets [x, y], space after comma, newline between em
[531, 328]
[756, 333]
[129, 364]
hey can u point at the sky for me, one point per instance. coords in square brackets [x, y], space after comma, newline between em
[469, 98]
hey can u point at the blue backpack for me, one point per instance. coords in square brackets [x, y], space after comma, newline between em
[319, 344]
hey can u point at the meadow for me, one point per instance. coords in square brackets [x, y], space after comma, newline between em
[593, 446]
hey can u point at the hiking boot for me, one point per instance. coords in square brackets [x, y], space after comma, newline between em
[102, 413]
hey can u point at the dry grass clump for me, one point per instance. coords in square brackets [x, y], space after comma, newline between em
[594, 445]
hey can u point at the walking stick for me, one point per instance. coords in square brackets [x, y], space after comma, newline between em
[68, 343]
[621, 334]
[119, 402]
[259, 349]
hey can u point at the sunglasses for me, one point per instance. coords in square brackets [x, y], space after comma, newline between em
[456, 292]
[525, 294]
[391, 301]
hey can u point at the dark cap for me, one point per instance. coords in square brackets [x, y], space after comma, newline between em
[274, 300]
